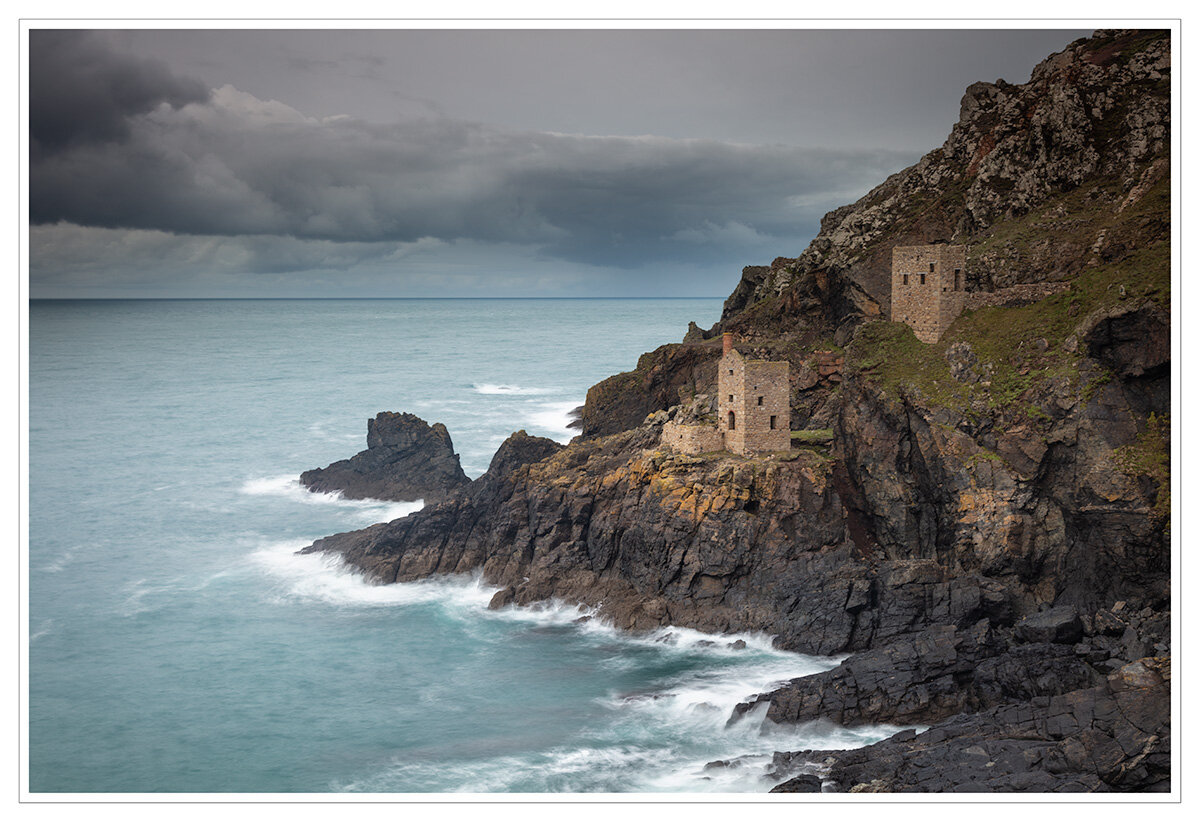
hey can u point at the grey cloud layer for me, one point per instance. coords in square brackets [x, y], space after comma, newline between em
[236, 165]
[80, 91]
[153, 151]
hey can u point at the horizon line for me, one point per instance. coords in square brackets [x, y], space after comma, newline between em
[200, 299]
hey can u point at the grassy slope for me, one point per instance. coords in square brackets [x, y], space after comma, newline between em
[1008, 339]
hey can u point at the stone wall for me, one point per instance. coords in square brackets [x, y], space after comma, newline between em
[692, 439]
[928, 283]
[1014, 296]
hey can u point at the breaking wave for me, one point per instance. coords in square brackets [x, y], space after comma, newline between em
[288, 487]
[512, 390]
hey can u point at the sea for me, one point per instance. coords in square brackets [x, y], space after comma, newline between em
[177, 644]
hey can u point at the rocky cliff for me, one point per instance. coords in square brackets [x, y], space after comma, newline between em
[405, 459]
[987, 534]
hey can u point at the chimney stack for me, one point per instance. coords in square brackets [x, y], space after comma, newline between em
[726, 343]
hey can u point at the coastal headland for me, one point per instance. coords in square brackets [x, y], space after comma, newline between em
[981, 522]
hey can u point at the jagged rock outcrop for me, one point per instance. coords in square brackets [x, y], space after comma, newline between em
[406, 459]
[944, 670]
[1112, 736]
[520, 449]
[661, 378]
[816, 311]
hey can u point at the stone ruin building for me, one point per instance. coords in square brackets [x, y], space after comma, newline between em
[753, 409]
[928, 287]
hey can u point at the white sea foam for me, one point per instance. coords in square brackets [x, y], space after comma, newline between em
[491, 388]
[135, 603]
[369, 511]
[320, 430]
[554, 417]
[326, 578]
[554, 612]
[671, 640]
[662, 742]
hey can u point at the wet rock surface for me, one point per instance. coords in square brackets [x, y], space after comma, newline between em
[1114, 736]
[406, 459]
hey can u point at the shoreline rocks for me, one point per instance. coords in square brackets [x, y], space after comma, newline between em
[1113, 736]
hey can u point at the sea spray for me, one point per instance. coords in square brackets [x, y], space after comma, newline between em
[553, 418]
[365, 511]
[511, 390]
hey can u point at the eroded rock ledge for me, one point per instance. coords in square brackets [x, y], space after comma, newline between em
[1112, 736]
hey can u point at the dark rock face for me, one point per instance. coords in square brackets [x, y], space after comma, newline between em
[406, 459]
[1113, 736]
[1052, 519]
[926, 676]
[804, 783]
[1132, 340]
[754, 278]
[520, 449]
[1061, 625]
[661, 378]
[657, 538]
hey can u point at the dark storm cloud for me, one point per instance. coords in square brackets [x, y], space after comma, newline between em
[237, 165]
[406, 161]
[81, 91]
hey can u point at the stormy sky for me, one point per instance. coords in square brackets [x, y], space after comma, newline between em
[223, 163]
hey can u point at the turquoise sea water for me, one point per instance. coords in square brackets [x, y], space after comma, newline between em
[178, 644]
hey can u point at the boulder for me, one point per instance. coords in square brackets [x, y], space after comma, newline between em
[1061, 624]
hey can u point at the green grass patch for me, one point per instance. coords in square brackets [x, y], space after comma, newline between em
[813, 436]
[983, 455]
[890, 355]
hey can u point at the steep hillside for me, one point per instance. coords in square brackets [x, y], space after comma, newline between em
[1036, 179]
